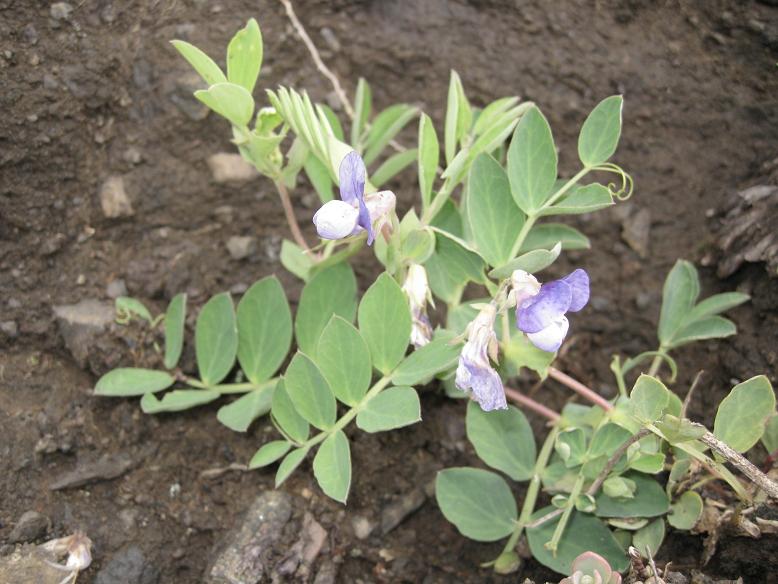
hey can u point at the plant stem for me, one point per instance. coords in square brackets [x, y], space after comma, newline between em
[346, 418]
[528, 507]
[656, 363]
[760, 479]
[342, 97]
[529, 403]
[525, 229]
[283, 193]
[566, 512]
[226, 388]
[580, 388]
[437, 203]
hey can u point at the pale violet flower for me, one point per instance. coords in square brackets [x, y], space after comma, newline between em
[355, 211]
[475, 374]
[416, 288]
[541, 308]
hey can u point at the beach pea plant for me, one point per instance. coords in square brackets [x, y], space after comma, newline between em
[484, 227]
[603, 465]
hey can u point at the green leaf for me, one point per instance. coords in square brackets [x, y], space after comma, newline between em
[244, 56]
[426, 362]
[770, 436]
[717, 304]
[711, 327]
[743, 414]
[286, 417]
[127, 381]
[175, 318]
[201, 62]
[331, 291]
[451, 267]
[495, 220]
[393, 165]
[452, 116]
[532, 161]
[429, 156]
[264, 329]
[177, 400]
[319, 175]
[385, 127]
[601, 131]
[570, 445]
[618, 487]
[230, 101]
[648, 539]
[392, 408]
[290, 462]
[583, 533]
[363, 103]
[385, 322]
[310, 393]
[332, 118]
[686, 511]
[520, 352]
[547, 235]
[216, 339]
[239, 415]
[582, 199]
[678, 296]
[269, 453]
[332, 466]
[126, 307]
[532, 261]
[649, 398]
[649, 500]
[478, 502]
[344, 360]
[294, 259]
[492, 112]
[419, 245]
[503, 439]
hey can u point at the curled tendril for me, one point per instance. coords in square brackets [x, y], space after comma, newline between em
[623, 192]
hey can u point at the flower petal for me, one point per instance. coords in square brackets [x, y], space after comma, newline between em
[352, 175]
[335, 220]
[578, 280]
[482, 384]
[365, 221]
[545, 307]
[550, 338]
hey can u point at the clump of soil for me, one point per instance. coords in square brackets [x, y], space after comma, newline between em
[96, 92]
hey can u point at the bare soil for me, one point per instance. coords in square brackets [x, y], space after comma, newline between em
[102, 93]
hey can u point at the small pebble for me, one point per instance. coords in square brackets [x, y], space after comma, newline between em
[60, 10]
[116, 288]
[241, 247]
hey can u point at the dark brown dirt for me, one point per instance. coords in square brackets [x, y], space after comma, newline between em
[82, 98]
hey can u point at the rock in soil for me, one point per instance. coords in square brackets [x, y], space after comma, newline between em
[128, 566]
[244, 556]
[31, 526]
[114, 200]
[241, 247]
[636, 231]
[82, 324]
[27, 565]
[748, 231]
[298, 559]
[106, 468]
[231, 168]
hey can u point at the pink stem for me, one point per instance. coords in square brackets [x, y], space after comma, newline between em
[529, 403]
[580, 388]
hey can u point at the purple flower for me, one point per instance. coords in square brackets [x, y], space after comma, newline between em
[541, 309]
[475, 375]
[355, 211]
